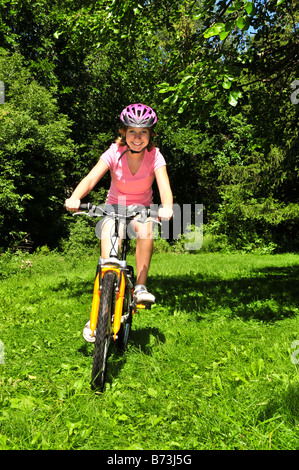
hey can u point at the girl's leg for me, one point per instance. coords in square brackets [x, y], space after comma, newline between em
[144, 250]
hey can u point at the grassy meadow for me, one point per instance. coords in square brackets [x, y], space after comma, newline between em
[211, 366]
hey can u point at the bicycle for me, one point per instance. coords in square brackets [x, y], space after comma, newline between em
[113, 303]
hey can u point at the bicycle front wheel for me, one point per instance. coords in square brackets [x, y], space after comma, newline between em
[103, 335]
[125, 328]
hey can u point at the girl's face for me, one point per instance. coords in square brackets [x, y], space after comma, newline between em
[137, 138]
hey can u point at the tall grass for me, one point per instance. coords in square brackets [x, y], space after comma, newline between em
[209, 367]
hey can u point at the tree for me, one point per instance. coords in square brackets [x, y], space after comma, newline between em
[34, 146]
[217, 72]
[226, 40]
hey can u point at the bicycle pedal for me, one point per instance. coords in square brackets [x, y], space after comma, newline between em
[144, 306]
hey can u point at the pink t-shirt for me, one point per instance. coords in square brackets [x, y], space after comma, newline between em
[127, 188]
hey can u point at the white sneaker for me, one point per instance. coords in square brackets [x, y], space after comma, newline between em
[142, 296]
[87, 333]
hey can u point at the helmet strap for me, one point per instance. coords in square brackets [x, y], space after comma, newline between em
[137, 151]
[132, 151]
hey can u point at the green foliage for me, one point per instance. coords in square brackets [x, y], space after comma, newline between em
[34, 147]
[218, 74]
[214, 48]
[81, 238]
[251, 196]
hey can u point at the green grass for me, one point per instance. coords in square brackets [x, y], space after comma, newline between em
[209, 367]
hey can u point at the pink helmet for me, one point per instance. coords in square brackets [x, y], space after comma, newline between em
[138, 115]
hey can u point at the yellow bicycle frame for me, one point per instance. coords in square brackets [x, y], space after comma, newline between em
[118, 303]
[118, 309]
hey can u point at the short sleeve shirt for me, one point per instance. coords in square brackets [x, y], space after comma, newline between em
[126, 188]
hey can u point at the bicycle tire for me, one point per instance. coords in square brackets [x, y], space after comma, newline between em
[103, 335]
[125, 328]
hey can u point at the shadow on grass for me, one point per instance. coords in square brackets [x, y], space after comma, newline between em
[139, 339]
[268, 295]
[74, 287]
[285, 404]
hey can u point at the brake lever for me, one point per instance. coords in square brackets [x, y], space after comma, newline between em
[82, 213]
[156, 221]
[93, 212]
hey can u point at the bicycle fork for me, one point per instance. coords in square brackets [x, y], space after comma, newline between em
[120, 294]
[119, 303]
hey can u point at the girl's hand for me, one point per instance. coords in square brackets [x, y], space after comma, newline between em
[72, 204]
[165, 213]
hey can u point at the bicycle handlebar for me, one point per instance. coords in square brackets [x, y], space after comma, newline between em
[131, 212]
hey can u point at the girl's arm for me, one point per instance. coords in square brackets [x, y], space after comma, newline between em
[86, 185]
[162, 179]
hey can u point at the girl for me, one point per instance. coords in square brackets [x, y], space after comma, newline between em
[133, 162]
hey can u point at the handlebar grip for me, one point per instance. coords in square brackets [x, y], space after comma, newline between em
[154, 214]
[84, 206]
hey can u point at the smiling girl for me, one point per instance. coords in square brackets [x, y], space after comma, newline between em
[134, 162]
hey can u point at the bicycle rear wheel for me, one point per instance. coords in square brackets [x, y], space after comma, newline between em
[103, 335]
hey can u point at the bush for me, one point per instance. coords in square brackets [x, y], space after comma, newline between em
[81, 238]
[34, 146]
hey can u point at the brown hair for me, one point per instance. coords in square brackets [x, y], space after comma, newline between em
[121, 140]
